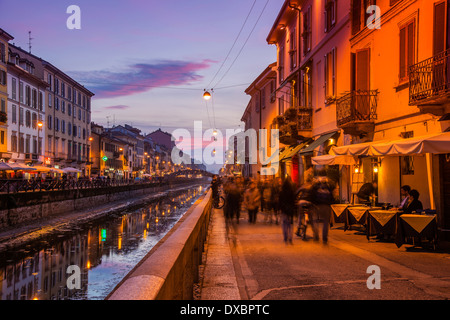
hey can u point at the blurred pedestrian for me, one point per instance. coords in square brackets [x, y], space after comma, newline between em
[287, 206]
[252, 201]
[266, 202]
[275, 197]
[304, 200]
[232, 201]
[323, 198]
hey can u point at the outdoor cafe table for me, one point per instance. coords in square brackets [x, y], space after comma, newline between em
[416, 226]
[357, 215]
[339, 212]
[382, 222]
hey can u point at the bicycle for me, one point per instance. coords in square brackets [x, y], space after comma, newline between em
[218, 202]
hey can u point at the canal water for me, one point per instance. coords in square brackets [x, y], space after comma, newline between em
[87, 264]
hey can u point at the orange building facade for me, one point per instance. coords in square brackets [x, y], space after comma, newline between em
[362, 92]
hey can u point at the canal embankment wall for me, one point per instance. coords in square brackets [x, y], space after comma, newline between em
[26, 207]
[170, 270]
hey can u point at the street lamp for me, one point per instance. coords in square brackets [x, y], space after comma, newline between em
[206, 95]
[40, 124]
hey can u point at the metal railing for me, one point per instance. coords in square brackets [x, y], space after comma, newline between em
[16, 185]
[355, 106]
[429, 79]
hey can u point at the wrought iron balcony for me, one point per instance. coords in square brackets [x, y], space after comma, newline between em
[294, 125]
[429, 82]
[356, 111]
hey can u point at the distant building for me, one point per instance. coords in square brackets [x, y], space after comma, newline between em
[59, 102]
[4, 38]
[162, 138]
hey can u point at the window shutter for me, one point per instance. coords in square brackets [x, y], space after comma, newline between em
[402, 53]
[362, 69]
[439, 28]
[356, 16]
[411, 53]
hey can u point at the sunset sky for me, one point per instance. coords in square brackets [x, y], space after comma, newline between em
[148, 62]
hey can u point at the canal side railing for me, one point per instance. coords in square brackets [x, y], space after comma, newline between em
[170, 269]
[26, 207]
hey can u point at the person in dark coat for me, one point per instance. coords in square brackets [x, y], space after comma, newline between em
[287, 207]
[367, 191]
[304, 200]
[414, 204]
[322, 198]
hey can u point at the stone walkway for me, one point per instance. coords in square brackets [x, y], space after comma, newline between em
[219, 278]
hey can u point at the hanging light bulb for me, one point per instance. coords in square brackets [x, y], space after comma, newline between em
[207, 95]
[215, 132]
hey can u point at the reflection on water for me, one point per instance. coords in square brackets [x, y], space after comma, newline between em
[104, 252]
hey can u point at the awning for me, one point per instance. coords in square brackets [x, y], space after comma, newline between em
[331, 160]
[284, 153]
[70, 170]
[318, 142]
[42, 168]
[292, 151]
[434, 144]
[19, 166]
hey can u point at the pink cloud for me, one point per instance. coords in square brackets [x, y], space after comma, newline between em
[141, 77]
[118, 107]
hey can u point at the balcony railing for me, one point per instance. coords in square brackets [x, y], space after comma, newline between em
[429, 80]
[356, 106]
[293, 123]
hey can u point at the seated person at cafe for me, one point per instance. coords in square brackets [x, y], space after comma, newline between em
[404, 191]
[413, 203]
[367, 191]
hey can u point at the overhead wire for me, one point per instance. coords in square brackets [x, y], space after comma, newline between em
[234, 43]
[242, 48]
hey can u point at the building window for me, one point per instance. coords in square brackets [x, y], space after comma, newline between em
[28, 118]
[34, 120]
[21, 118]
[13, 142]
[34, 98]
[293, 49]
[330, 14]
[28, 95]
[2, 77]
[281, 105]
[21, 92]
[14, 88]
[50, 99]
[281, 64]
[330, 76]
[41, 101]
[307, 31]
[14, 113]
[407, 165]
[407, 49]
[49, 122]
